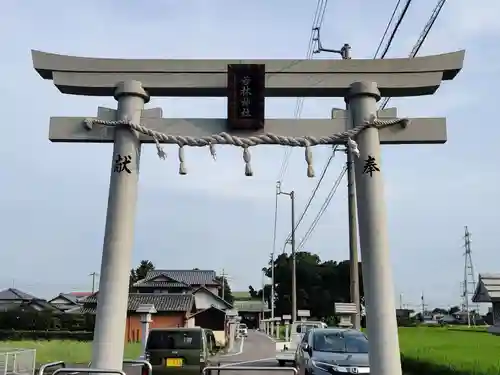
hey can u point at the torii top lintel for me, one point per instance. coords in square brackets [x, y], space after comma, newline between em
[284, 78]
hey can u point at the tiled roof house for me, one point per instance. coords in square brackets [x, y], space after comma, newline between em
[13, 298]
[176, 294]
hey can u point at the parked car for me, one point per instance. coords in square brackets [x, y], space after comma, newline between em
[243, 330]
[325, 351]
[174, 351]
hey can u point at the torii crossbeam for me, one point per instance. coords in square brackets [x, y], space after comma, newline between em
[360, 82]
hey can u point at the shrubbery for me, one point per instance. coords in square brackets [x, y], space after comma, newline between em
[20, 320]
[18, 335]
[18, 325]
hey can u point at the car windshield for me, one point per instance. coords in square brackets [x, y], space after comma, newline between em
[339, 342]
[174, 340]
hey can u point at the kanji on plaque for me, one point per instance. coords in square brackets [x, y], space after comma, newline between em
[246, 97]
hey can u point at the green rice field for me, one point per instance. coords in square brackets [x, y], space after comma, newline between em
[450, 350]
[455, 349]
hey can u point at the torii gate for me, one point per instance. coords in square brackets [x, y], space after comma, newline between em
[360, 82]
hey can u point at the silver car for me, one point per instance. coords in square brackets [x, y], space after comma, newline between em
[333, 350]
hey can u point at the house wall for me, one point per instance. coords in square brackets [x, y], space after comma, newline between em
[165, 320]
[204, 300]
[60, 301]
[213, 289]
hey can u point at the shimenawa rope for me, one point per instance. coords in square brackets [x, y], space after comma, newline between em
[247, 142]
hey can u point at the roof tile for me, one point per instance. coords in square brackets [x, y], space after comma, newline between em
[163, 302]
[15, 294]
[189, 277]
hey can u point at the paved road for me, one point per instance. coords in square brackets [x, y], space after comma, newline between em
[257, 351]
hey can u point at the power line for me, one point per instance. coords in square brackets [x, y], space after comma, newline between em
[387, 29]
[422, 37]
[318, 18]
[314, 191]
[396, 28]
[323, 208]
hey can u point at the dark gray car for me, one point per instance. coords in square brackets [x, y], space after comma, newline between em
[333, 350]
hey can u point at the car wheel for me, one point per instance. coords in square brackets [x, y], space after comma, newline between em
[281, 363]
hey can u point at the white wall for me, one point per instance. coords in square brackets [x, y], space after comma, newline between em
[213, 289]
[205, 300]
[60, 301]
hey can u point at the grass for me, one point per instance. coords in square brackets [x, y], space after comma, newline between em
[71, 352]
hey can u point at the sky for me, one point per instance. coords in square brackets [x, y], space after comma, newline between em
[53, 196]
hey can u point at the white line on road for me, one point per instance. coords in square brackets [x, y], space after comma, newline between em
[242, 342]
[246, 362]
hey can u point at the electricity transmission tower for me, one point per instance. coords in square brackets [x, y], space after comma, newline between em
[469, 281]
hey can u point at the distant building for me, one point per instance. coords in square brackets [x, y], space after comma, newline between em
[69, 301]
[250, 309]
[181, 298]
[12, 299]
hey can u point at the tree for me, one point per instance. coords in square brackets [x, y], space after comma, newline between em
[453, 310]
[140, 272]
[253, 293]
[228, 295]
[319, 284]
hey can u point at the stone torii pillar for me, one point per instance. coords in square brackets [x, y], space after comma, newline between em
[131, 82]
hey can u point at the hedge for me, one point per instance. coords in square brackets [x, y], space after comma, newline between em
[16, 335]
[20, 320]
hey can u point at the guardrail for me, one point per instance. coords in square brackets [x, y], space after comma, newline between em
[141, 362]
[135, 361]
[74, 371]
[207, 370]
[46, 366]
[69, 370]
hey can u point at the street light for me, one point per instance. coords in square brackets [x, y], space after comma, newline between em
[294, 263]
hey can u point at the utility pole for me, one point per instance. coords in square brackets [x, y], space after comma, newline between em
[294, 260]
[353, 238]
[401, 301]
[423, 305]
[263, 296]
[345, 53]
[223, 283]
[94, 275]
[278, 185]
